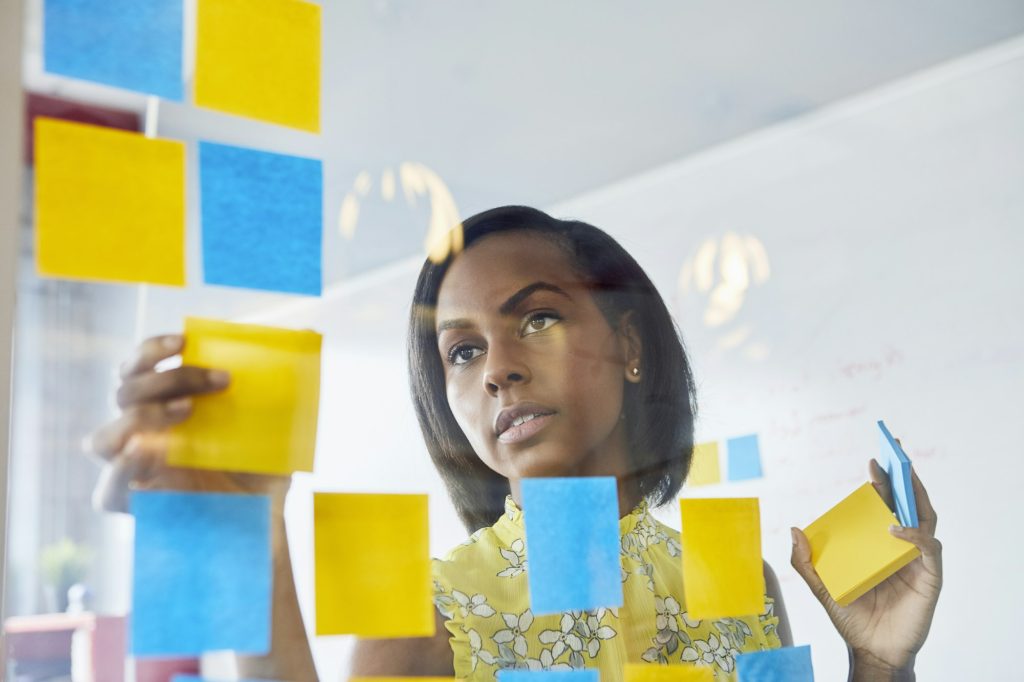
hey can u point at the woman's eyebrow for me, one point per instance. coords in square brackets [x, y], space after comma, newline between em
[515, 299]
[509, 306]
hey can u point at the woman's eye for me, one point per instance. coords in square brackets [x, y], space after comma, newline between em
[460, 355]
[540, 322]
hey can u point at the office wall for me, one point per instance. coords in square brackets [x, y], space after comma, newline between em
[891, 227]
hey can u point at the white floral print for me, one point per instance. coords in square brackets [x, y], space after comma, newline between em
[477, 604]
[476, 651]
[516, 626]
[514, 554]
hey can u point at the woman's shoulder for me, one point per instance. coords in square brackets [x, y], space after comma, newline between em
[482, 551]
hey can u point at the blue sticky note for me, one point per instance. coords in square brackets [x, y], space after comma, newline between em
[744, 458]
[202, 575]
[789, 664]
[897, 465]
[262, 216]
[590, 675]
[131, 44]
[572, 543]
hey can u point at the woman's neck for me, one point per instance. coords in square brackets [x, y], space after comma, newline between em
[628, 493]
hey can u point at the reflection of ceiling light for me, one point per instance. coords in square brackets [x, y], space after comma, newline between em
[723, 270]
[444, 229]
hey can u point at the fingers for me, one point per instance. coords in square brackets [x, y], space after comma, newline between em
[110, 439]
[141, 461]
[174, 383]
[801, 562]
[880, 481]
[150, 352]
[926, 517]
[931, 548]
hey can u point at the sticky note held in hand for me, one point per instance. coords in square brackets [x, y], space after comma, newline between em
[896, 463]
[851, 546]
[266, 420]
[260, 59]
[572, 543]
[109, 204]
[723, 573]
[202, 573]
[372, 559]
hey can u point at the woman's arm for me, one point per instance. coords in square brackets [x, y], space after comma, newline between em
[415, 657]
[289, 658]
[773, 590]
[885, 628]
[133, 448]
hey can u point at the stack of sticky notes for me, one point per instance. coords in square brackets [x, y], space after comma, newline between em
[202, 573]
[723, 573]
[372, 559]
[645, 672]
[788, 664]
[572, 542]
[851, 546]
[266, 420]
[897, 465]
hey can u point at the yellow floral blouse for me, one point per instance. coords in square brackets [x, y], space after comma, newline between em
[480, 588]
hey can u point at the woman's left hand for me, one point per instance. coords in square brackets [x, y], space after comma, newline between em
[885, 628]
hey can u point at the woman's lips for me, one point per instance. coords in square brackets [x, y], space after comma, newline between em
[516, 434]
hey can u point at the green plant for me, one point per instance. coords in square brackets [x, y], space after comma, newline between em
[64, 563]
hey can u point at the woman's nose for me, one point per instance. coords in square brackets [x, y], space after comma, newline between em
[503, 370]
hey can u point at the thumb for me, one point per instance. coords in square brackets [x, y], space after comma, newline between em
[801, 562]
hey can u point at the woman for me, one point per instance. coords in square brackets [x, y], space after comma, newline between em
[541, 349]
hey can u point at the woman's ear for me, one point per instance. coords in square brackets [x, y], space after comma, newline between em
[632, 346]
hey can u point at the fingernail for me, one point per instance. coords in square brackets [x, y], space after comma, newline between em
[179, 405]
[218, 378]
[896, 530]
[172, 342]
[792, 533]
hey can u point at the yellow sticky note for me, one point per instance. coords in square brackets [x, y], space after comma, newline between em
[372, 558]
[704, 469]
[648, 672]
[260, 59]
[723, 574]
[109, 204]
[851, 547]
[265, 421]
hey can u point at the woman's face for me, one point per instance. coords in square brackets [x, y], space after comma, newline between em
[533, 371]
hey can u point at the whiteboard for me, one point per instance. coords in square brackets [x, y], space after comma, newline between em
[893, 229]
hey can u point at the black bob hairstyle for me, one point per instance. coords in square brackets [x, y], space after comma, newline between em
[659, 410]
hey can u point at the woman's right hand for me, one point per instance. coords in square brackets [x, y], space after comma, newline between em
[133, 446]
